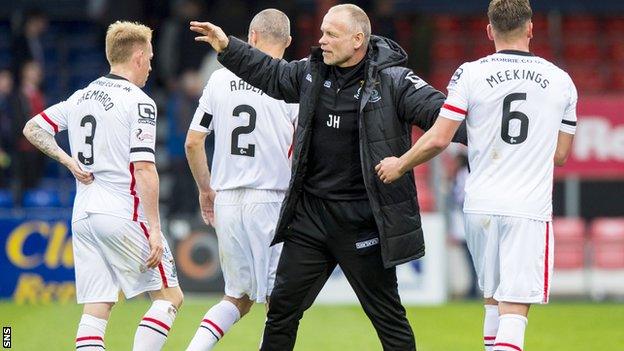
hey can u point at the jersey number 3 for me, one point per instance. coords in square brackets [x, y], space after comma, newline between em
[88, 119]
[509, 116]
[250, 150]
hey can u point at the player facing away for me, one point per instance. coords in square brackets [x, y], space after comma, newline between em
[117, 239]
[250, 175]
[521, 117]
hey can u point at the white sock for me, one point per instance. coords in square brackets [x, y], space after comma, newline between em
[490, 326]
[90, 335]
[217, 321]
[152, 332]
[510, 336]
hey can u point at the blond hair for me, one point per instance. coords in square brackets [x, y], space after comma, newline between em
[121, 39]
[358, 19]
[507, 16]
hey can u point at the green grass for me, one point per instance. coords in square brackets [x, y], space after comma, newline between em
[565, 326]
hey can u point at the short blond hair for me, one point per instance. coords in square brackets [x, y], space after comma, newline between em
[121, 39]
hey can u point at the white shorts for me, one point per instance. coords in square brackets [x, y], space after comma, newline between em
[245, 221]
[110, 254]
[513, 257]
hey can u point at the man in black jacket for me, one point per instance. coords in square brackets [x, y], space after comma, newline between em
[357, 106]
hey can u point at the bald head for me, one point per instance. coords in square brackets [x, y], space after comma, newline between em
[272, 26]
[356, 18]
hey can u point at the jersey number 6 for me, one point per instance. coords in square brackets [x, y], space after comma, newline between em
[509, 115]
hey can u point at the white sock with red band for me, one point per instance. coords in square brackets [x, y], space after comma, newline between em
[90, 335]
[490, 326]
[510, 336]
[153, 329]
[217, 321]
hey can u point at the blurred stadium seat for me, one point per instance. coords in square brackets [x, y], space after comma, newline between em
[41, 198]
[6, 198]
[569, 242]
[607, 236]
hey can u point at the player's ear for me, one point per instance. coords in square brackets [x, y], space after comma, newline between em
[490, 32]
[359, 40]
[252, 38]
[530, 30]
[288, 41]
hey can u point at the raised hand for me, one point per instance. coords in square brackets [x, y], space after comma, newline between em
[210, 34]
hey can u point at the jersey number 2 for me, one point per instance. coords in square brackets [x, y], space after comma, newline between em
[88, 119]
[250, 150]
[509, 115]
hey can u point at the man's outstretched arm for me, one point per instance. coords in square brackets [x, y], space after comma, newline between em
[434, 141]
[277, 78]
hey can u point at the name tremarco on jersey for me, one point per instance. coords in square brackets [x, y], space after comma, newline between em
[99, 96]
[242, 85]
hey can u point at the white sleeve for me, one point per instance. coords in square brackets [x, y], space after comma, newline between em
[54, 118]
[202, 119]
[143, 115]
[456, 105]
[568, 122]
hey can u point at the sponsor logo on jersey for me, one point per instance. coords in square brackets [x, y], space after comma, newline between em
[458, 73]
[309, 77]
[327, 84]
[143, 136]
[147, 113]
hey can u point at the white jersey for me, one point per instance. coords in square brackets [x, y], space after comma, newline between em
[515, 104]
[253, 134]
[111, 123]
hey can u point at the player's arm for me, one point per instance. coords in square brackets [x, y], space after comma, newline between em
[147, 182]
[434, 141]
[198, 162]
[419, 104]
[44, 140]
[567, 128]
[277, 78]
[564, 145]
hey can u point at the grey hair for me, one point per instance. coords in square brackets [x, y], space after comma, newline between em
[359, 19]
[272, 23]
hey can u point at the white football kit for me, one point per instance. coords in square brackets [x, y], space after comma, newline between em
[111, 123]
[250, 173]
[515, 104]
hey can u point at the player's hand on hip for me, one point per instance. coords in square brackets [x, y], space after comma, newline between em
[211, 34]
[206, 203]
[389, 169]
[156, 248]
[81, 175]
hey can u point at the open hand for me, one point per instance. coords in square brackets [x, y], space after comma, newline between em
[206, 204]
[210, 34]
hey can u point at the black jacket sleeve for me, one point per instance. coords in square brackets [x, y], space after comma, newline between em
[418, 103]
[277, 78]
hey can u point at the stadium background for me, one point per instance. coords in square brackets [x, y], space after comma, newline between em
[48, 49]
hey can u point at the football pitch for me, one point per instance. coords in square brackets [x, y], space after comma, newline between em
[568, 326]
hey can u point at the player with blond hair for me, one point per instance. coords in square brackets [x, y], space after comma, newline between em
[117, 239]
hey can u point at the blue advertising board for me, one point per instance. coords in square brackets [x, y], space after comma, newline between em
[36, 259]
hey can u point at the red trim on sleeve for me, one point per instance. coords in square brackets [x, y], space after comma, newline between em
[47, 119]
[454, 109]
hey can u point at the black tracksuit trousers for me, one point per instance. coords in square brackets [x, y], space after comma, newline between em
[325, 233]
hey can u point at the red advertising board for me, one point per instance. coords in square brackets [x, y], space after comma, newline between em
[598, 150]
